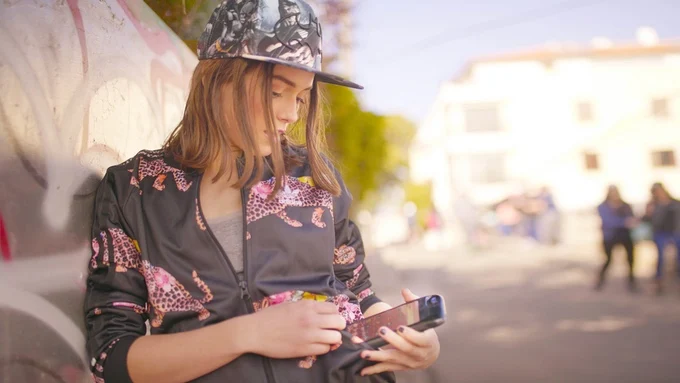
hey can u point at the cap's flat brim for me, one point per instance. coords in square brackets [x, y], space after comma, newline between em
[319, 75]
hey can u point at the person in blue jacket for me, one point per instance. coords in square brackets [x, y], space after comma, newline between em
[617, 221]
[663, 213]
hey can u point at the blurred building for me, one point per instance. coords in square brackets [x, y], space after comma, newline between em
[574, 118]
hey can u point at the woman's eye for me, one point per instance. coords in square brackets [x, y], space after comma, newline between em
[275, 94]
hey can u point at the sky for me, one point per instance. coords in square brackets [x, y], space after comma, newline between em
[405, 49]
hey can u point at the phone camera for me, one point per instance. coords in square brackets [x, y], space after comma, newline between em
[434, 300]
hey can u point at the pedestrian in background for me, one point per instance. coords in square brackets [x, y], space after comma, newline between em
[663, 212]
[617, 222]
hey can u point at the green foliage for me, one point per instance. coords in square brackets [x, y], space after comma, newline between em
[420, 195]
[357, 140]
[399, 133]
[187, 18]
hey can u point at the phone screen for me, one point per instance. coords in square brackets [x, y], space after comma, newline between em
[404, 315]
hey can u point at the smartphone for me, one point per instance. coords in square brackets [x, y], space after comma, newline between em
[420, 314]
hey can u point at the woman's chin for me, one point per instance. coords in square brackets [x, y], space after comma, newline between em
[265, 150]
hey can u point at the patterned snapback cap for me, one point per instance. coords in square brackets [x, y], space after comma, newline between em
[284, 32]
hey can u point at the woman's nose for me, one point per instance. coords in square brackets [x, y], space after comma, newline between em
[288, 112]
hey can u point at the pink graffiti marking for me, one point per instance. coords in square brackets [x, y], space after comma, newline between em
[4, 242]
[80, 27]
[158, 41]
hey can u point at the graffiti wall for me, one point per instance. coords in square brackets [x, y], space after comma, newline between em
[84, 84]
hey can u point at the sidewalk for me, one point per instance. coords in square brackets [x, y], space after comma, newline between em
[522, 313]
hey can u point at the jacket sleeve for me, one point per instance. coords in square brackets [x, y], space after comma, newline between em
[349, 253]
[116, 296]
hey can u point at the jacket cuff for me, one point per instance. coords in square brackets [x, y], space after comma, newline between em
[116, 368]
[368, 302]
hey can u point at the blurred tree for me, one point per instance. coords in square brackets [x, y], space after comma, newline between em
[187, 18]
[399, 133]
[357, 140]
[335, 16]
[421, 196]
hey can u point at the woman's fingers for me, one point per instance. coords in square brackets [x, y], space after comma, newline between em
[408, 295]
[418, 338]
[322, 307]
[328, 337]
[397, 341]
[330, 321]
[382, 367]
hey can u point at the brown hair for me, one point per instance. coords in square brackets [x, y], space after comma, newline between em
[201, 139]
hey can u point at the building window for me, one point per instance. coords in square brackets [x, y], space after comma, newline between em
[591, 161]
[482, 117]
[660, 107]
[584, 111]
[487, 168]
[663, 158]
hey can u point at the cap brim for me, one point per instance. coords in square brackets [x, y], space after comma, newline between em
[319, 75]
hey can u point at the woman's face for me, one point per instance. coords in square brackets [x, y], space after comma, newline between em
[290, 90]
[658, 193]
[613, 194]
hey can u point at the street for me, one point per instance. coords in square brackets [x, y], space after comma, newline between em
[519, 312]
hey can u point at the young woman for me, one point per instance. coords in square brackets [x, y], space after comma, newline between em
[617, 222]
[234, 243]
[663, 212]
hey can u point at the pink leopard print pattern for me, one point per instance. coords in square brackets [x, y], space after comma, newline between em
[165, 293]
[364, 294]
[344, 255]
[125, 253]
[316, 218]
[199, 220]
[151, 164]
[351, 312]
[355, 277]
[98, 364]
[292, 222]
[293, 193]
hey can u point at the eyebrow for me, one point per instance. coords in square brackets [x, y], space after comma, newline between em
[287, 81]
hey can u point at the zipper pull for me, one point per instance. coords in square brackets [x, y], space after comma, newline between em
[244, 288]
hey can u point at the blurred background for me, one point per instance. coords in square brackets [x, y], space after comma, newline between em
[480, 157]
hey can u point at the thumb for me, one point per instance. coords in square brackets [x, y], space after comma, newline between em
[408, 295]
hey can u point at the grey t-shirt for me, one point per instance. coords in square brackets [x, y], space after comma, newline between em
[229, 233]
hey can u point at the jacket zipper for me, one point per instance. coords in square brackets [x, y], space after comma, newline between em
[242, 281]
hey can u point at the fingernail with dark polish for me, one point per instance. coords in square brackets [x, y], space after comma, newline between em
[383, 331]
[367, 356]
[401, 328]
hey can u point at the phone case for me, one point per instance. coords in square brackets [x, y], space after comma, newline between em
[421, 326]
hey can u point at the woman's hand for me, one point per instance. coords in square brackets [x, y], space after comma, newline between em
[297, 329]
[408, 349]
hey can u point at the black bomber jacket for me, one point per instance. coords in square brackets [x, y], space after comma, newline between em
[155, 259]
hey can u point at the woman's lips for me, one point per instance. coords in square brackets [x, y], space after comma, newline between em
[278, 131]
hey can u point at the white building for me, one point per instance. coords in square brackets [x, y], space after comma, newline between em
[572, 118]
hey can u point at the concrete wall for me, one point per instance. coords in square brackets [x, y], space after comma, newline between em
[85, 84]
